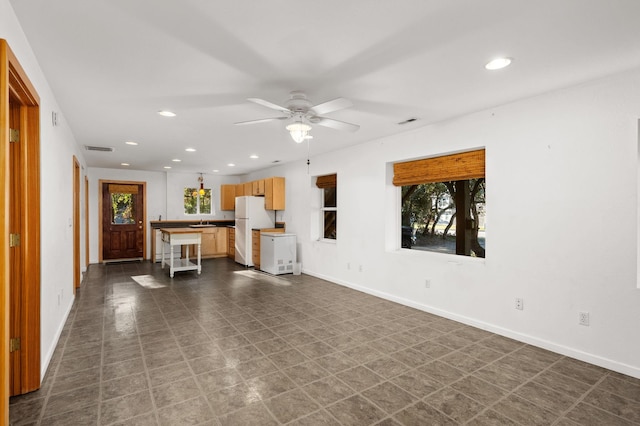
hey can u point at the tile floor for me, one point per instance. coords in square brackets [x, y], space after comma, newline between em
[236, 347]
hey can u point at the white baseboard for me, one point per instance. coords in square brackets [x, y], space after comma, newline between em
[521, 337]
[47, 358]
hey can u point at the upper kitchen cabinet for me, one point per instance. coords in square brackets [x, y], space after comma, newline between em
[257, 187]
[274, 193]
[240, 190]
[227, 197]
[248, 188]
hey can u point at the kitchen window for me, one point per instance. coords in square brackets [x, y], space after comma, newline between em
[197, 201]
[443, 205]
[329, 206]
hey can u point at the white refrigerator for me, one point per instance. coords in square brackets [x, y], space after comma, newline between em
[250, 214]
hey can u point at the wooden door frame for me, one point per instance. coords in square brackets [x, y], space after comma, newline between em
[86, 222]
[14, 81]
[144, 214]
[76, 224]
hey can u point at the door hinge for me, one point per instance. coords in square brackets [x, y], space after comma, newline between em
[14, 240]
[14, 344]
[14, 135]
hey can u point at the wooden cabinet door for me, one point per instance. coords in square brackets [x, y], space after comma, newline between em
[227, 197]
[255, 246]
[240, 190]
[221, 242]
[248, 188]
[231, 243]
[274, 198]
[258, 187]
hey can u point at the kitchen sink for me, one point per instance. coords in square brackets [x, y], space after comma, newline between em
[202, 226]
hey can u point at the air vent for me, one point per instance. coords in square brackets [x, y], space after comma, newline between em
[407, 121]
[99, 148]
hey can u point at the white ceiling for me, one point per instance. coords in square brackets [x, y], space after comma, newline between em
[113, 64]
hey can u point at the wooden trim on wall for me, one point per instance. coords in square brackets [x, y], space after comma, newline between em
[14, 83]
[86, 222]
[76, 224]
[462, 166]
[4, 234]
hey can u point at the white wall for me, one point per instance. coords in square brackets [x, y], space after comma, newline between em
[57, 148]
[164, 198]
[561, 232]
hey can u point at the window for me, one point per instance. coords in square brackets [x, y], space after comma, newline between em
[443, 205]
[197, 201]
[328, 185]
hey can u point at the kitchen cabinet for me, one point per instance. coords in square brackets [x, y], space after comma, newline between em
[240, 190]
[255, 244]
[257, 187]
[248, 188]
[255, 248]
[274, 198]
[214, 243]
[231, 243]
[227, 197]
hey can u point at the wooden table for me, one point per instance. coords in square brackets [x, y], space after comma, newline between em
[179, 237]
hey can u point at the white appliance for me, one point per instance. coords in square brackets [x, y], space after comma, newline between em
[277, 253]
[250, 214]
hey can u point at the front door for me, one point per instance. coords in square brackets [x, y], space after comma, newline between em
[122, 221]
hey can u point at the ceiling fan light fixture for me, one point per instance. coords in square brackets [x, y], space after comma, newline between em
[299, 131]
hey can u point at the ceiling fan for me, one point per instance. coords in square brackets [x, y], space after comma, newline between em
[304, 113]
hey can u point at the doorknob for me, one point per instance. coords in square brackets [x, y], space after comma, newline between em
[140, 222]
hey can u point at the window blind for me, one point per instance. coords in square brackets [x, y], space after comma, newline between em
[462, 166]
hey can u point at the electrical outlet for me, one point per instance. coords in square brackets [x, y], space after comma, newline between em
[427, 283]
[361, 268]
[348, 265]
[519, 303]
[583, 318]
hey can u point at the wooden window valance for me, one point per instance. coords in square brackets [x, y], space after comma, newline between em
[462, 166]
[328, 181]
[122, 189]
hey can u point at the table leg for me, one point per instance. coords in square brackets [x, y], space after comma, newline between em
[171, 260]
[199, 265]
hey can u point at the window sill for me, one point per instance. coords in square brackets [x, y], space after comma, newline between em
[448, 257]
[326, 240]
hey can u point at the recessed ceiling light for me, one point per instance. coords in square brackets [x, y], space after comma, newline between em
[215, 170]
[167, 167]
[498, 63]
[231, 165]
[124, 164]
[176, 160]
[131, 143]
[253, 156]
[167, 113]
[190, 150]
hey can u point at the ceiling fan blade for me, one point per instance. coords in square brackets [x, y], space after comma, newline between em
[260, 120]
[330, 106]
[268, 104]
[335, 124]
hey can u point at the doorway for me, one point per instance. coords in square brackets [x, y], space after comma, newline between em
[76, 224]
[122, 219]
[20, 251]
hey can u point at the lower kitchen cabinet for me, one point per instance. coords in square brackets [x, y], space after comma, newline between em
[214, 244]
[231, 243]
[255, 244]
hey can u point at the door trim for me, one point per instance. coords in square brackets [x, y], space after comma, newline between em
[14, 81]
[86, 222]
[144, 213]
[76, 224]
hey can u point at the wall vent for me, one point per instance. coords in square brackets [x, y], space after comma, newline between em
[99, 148]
